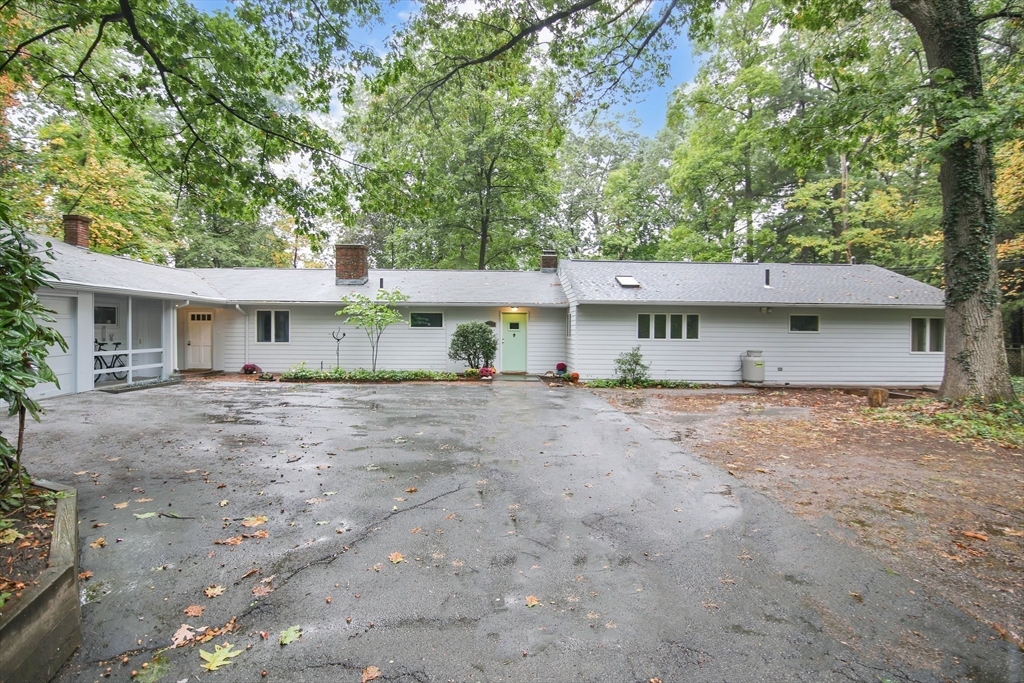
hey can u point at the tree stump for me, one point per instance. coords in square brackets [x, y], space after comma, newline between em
[878, 398]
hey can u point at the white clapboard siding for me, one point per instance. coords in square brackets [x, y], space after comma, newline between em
[854, 346]
[401, 347]
[545, 339]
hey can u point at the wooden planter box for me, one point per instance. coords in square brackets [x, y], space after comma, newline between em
[43, 627]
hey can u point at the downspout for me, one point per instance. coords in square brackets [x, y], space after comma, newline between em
[174, 346]
[246, 357]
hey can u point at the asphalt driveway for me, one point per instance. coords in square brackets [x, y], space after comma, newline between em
[410, 527]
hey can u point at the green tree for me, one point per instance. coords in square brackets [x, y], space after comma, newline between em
[641, 207]
[473, 343]
[24, 340]
[585, 162]
[64, 167]
[373, 316]
[208, 101]
[467, 177]
[211, 240]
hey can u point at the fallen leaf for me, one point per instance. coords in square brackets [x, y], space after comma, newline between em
[144, 515]
[121, 506]
[213, 591]
[234, 540]
[262, 533]
[8, 536]
[330, 493]
[314, 501]
[223, 503]
[254, 521]
[975, 534]
[396, 558]
[220, 656]
[450, 516]
[416, 530]
[1012, 532]
[191, 471]
[84, 576]
[411, 489]
[195, 610]
[290, 635]
[370, 673]
[143, 500]
[98, 525]
[532, 601]
[99, 543]
[183, 635]
[261, 590]
[82, 472]
[250, 573]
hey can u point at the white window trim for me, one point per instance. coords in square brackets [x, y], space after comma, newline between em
[273, 325]
[927, 336]
[428, 327]
[668, 328]
[804, 315]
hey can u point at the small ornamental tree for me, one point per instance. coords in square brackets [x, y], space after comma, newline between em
[473, 343]
[24, 339]
[373, 316]
[631, 369]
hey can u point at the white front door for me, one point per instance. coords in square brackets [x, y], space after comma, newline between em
[200, 341]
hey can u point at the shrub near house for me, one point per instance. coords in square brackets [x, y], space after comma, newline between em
[473, 343]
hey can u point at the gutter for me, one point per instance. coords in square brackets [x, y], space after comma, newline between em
[245, 355]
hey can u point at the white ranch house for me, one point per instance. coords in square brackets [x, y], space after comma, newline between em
[815, 324]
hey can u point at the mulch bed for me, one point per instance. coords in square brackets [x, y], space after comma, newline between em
[24, 558]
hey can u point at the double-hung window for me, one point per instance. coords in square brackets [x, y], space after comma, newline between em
[273, 327]
[927, 335]
[668, 326]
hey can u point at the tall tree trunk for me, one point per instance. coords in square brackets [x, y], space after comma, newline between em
[975, 357]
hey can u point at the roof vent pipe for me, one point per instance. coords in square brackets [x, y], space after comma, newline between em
[767, 278]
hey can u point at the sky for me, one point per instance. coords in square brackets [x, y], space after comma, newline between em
[648, 107]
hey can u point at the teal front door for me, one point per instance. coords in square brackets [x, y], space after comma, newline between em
[513, 342]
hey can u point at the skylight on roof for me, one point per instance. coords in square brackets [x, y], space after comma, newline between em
[627, 281]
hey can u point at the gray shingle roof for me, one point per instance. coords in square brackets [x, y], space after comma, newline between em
[459, 287]
[77, 266]
[743, 283]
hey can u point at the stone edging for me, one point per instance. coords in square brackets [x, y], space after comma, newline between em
[44, 626]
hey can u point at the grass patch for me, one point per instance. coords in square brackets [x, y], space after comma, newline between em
[641, 384]
[301, 373]
[1002, 423]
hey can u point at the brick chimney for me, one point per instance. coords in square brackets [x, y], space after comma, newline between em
[350, 264]
[76, 230]
[548, 261]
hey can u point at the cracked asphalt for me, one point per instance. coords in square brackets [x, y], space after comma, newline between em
[647, 563]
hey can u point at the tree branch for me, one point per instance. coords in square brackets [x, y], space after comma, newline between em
[33, 39]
